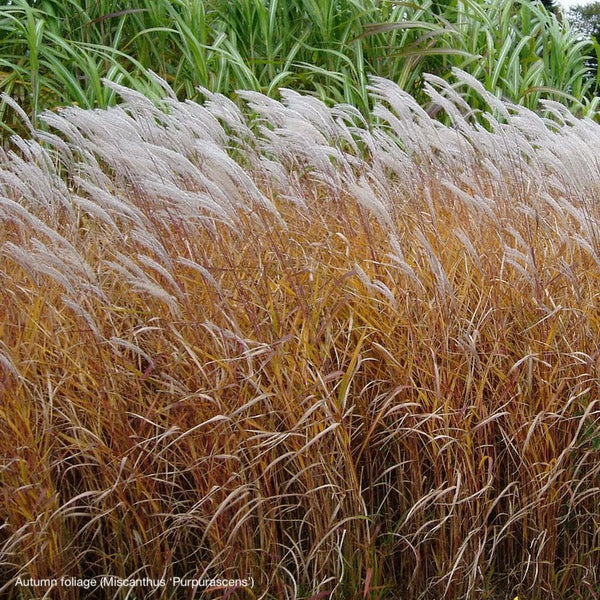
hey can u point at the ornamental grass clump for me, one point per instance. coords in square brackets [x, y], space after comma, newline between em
[55, 53]
[336, 360]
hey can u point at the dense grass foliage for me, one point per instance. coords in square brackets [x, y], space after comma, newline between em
[346, 362]
[55, 52]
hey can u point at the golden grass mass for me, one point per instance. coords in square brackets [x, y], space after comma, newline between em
[347, 362]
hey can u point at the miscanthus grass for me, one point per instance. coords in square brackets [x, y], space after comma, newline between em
[347, 362]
